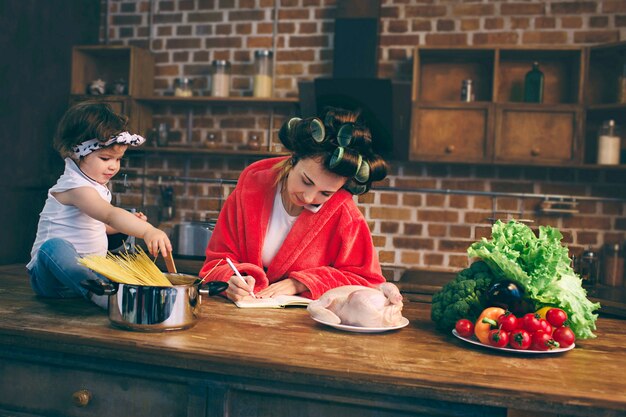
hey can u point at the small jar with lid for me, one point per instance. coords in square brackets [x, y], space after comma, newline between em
[263, 81]
[182, 87]
[612, 265]
[220, 78]
[609, 143]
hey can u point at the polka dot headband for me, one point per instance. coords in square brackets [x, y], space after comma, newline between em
[124, 138]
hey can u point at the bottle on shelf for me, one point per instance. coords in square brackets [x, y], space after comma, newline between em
[609, 143]
[467, 91]
[263, 83]
[533, 85]
[589, 267]
[220, 78]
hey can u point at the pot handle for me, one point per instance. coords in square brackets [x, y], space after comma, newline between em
[213, 287]
[99, 287]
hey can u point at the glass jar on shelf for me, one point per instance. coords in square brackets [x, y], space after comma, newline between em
[609, 143]
[263, 78]
[182, 87]
[220, 78]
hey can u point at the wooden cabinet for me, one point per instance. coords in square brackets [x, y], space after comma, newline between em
[463, 135]
[497, 126]
[129, 65]
[528, 134]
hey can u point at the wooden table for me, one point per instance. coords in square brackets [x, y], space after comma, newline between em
[240, 362]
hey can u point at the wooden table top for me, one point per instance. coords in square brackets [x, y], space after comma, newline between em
[288, 346]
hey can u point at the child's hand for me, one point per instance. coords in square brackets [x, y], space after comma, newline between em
[157, 241]
[141, 216]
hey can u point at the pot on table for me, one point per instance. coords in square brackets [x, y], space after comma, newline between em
[190, 239]
[148, 308]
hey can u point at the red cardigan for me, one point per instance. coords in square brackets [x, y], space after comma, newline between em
[323, 250]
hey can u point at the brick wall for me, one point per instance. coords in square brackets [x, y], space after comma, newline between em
[412, 229]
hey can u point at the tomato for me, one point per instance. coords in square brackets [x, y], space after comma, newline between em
[542, 341]
[464, 328]
[519, 339]
[556, 317]
[498, 338]
[486, 321]
[545, 326]
[531, 323]
[507, 322]
[564, 336]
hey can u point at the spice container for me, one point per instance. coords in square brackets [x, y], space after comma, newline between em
[533, 85]
[182, 87]
[467, 91]
[613, 265]
[589, 267]
[262, 73]
[609, 144]
[220, 78]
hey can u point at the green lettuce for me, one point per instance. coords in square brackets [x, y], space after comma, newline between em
[542, 266]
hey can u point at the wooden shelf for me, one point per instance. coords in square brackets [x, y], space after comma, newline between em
[204, 100]
[499, 126]
[182, 150]
[603, 107]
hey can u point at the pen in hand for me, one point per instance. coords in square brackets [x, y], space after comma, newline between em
[234, 268]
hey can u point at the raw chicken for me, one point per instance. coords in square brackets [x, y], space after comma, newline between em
[356, 305]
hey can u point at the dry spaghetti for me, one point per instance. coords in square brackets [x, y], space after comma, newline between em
[127, 268]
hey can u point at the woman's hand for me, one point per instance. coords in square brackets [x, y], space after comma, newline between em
[157, 241]
[287, 286]
[237, 290]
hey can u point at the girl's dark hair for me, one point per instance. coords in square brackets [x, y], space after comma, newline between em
[322, 137]
[87, 120]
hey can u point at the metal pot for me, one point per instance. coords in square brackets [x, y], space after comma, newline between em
[191, 238]
[155, 309]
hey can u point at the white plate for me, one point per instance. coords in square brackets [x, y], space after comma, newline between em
[475, 341]
[358, 329]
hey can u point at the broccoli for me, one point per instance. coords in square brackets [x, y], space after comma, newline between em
[463, 297]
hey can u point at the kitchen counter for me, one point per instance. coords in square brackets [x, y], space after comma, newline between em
[55, 354]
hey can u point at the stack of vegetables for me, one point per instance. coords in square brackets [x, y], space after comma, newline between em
[520, 271]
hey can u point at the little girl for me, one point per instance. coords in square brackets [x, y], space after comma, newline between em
[78, 213]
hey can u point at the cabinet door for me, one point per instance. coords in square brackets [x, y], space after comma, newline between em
[450, 132]
[537, 134]
[40, 389]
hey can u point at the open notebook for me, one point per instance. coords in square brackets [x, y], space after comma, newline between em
[276, 302]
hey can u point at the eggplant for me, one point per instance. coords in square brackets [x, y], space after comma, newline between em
[510, 296]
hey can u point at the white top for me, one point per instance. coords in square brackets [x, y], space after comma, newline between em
[57, 220]
[277, 230]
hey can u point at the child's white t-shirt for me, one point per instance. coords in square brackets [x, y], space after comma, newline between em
[57, 220]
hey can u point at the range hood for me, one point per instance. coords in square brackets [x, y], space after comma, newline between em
[385, 105]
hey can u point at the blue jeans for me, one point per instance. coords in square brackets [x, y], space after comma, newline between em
[57, 274]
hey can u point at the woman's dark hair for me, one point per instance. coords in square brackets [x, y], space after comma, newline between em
[84, 121]
[341, 141]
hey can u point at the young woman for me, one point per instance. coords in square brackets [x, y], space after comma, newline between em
[291, 225]
[78, 213]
